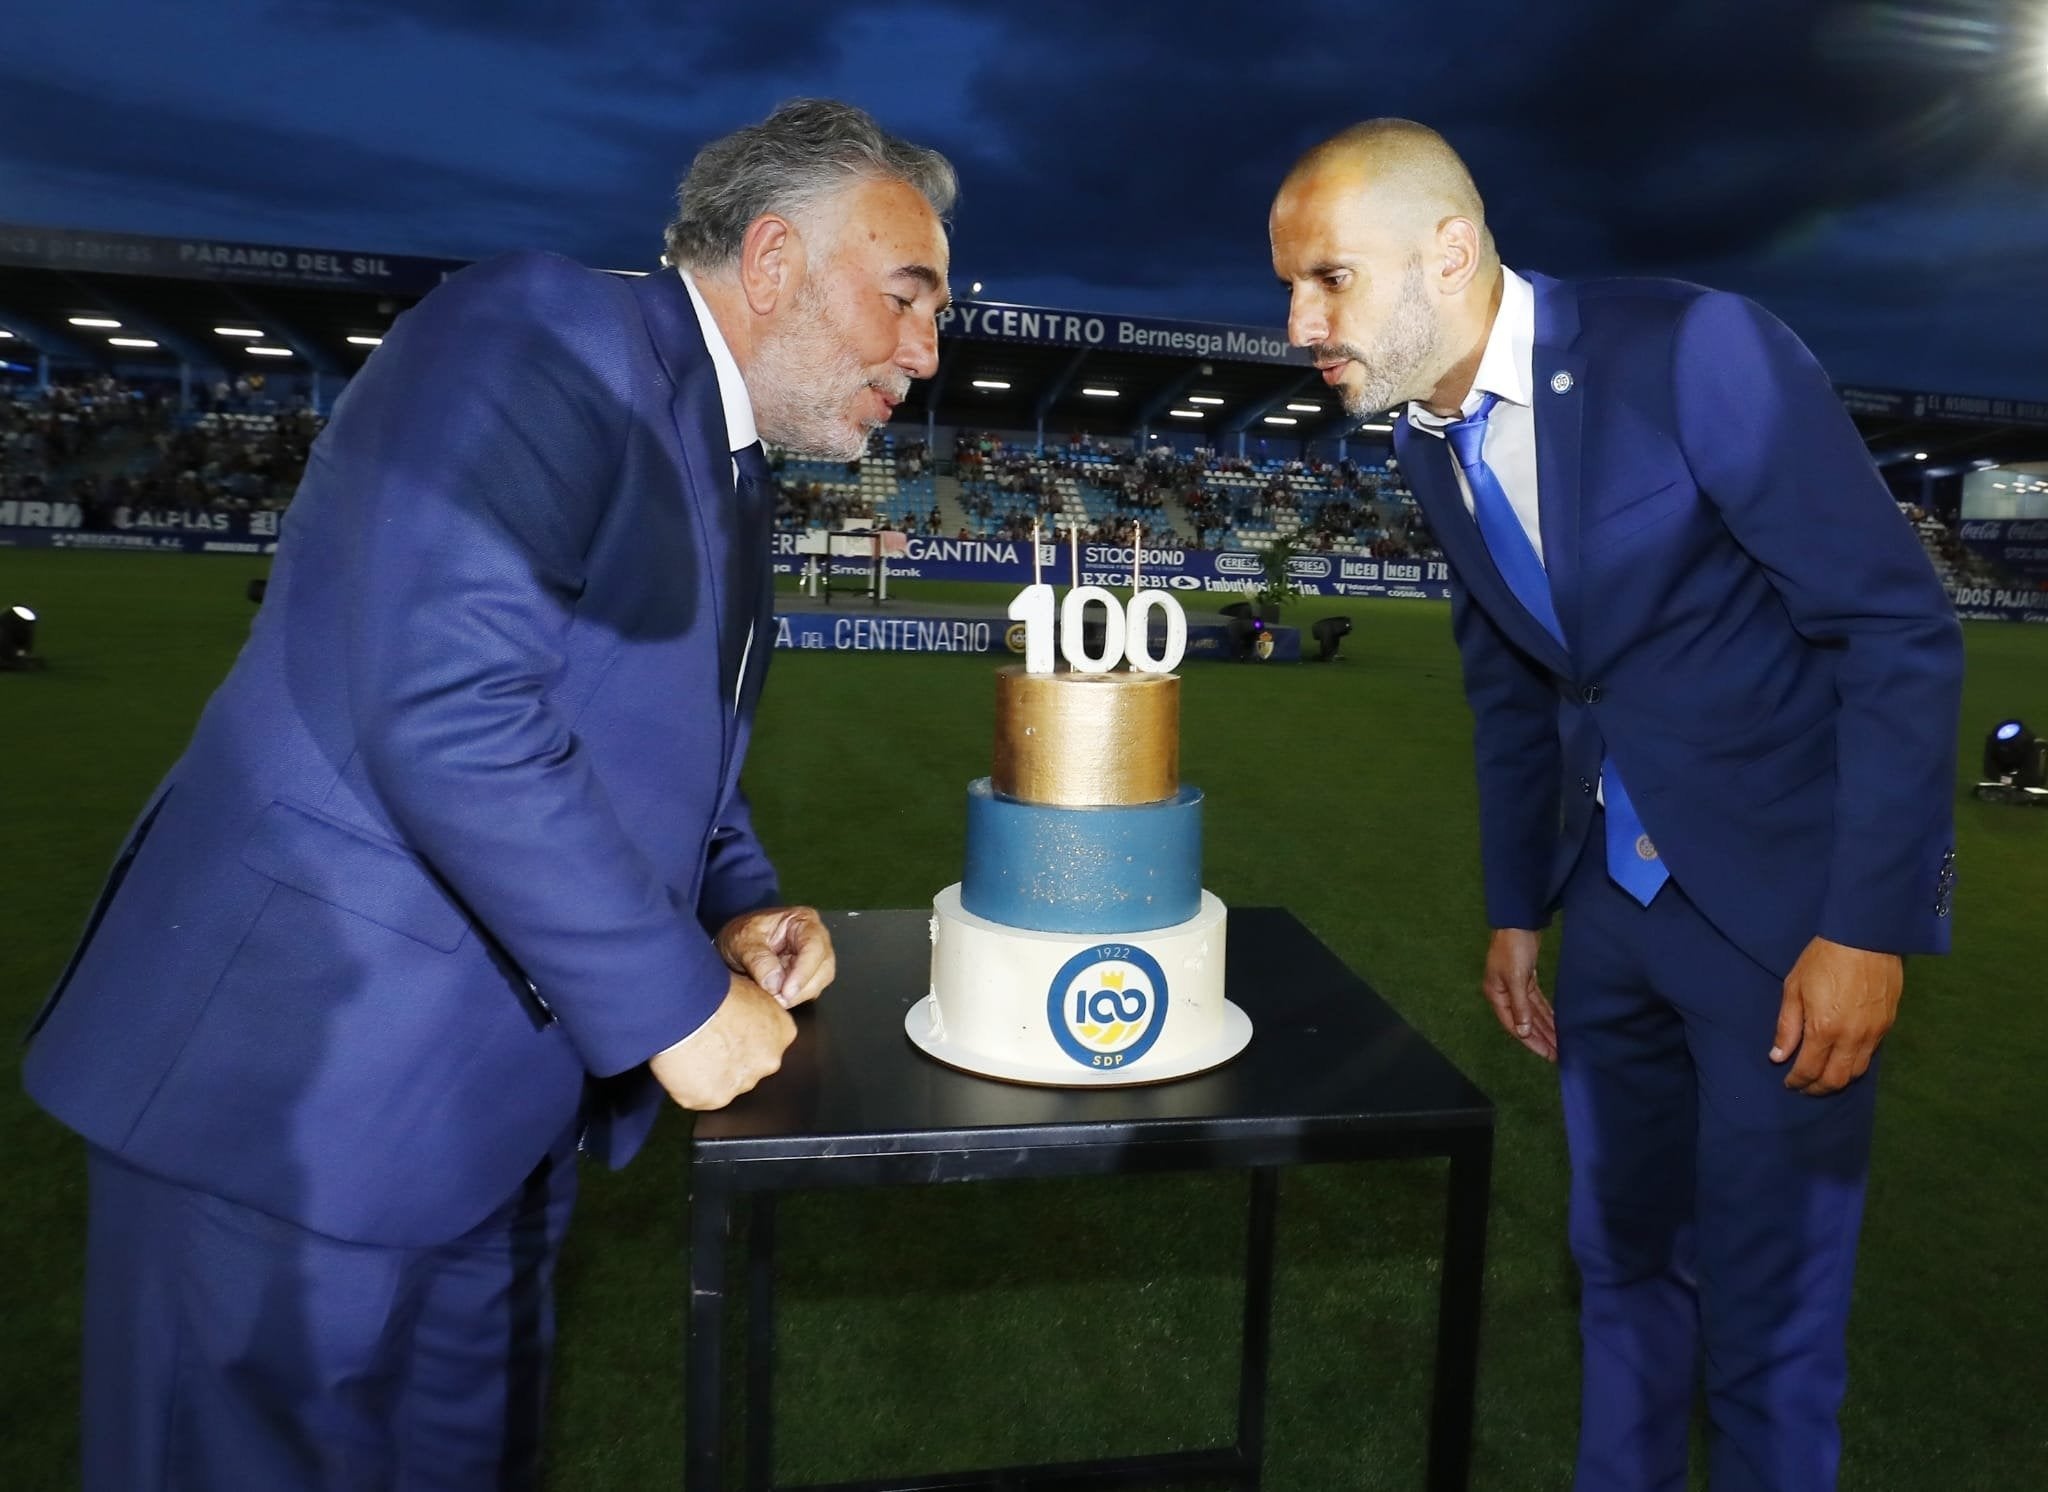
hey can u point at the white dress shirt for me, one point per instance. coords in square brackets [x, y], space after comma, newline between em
[732, 389]
[739, 421]
[1506, 368]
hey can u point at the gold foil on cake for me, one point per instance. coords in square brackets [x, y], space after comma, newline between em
[1087, 740]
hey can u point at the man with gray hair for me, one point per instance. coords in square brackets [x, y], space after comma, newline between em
[454, 879]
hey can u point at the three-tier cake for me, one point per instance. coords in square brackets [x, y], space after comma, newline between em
[1079, 948]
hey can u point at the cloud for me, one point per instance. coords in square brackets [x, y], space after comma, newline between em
[1118, 156]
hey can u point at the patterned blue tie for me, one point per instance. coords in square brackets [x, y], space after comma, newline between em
[1632, 860]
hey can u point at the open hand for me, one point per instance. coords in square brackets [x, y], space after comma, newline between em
[1510, 987]
[1839, 1002]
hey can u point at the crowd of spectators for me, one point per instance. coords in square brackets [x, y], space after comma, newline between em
[104, 446]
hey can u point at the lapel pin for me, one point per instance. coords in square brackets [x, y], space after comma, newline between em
[1560, 383]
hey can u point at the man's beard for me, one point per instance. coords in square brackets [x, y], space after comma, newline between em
[1396, 370]
[806, 380]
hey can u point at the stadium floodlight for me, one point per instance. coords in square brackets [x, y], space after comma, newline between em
[366, 341]
[1301, 407]
[1204, 399]
[1328, 632]
[1378, 429]
[17, 637]
[130, 342]
[1282, 419]
[990, 383]
[1185, 414]
[1919, 455]
[1095, 393]
[236, 331]
[271, 351]
[103, 323]
[975, 289]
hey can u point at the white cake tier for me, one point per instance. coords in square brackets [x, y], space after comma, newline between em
[1077, 1009]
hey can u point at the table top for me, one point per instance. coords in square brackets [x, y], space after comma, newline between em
[1331, 1070]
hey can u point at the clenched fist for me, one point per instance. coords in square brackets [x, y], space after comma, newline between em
[741, 1044]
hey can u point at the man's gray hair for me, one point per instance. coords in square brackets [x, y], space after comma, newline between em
[804, 151]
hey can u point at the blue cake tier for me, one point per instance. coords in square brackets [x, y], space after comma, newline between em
[1083, 870]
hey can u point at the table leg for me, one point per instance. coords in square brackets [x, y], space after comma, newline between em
[704, 1333]
[1457, 1329]
[761, 1343]
[1258, 1324]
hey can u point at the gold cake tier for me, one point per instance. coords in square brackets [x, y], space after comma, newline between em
[1087, 740]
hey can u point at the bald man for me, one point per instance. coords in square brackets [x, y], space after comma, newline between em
[1715, 685]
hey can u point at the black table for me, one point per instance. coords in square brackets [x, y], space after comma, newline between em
[1332, 1074]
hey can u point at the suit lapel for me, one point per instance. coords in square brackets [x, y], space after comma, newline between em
[700, 432]
[1426, 462]
[1559, 394]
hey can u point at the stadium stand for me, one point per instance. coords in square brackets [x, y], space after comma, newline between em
[105, 446]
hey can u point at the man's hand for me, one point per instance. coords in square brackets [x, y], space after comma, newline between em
[1839, 1002]
[785, 950]
[1510, 988]
[741, 1044]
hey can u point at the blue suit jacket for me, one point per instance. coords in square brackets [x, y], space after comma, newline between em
[1755, 634]
[450, 839]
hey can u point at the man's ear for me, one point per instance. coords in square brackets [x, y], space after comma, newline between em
[1459, 254]
[771, 257]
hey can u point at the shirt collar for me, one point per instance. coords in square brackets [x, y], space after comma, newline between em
[732, 389]
[1506, 367]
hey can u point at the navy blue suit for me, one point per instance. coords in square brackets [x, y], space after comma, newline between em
[439, 869]
[1756, 639]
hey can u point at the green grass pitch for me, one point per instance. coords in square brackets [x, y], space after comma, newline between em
[931, 1329]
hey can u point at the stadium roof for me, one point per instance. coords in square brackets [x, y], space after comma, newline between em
[1002, 367]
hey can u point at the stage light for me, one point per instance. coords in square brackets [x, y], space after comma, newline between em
[1328, 633]
[17, 638]
[5, 334]
[2012, 753]
[366, 341]
[271, 351]
[1204, 399]
[1281, 419]
[990, 383]
[130, 342]
[101, 322]
[1185, 414]
[1919, 455]
[1378, 429]
[236, 331]
[1301, 408]
[1102, 393]
[975, 289]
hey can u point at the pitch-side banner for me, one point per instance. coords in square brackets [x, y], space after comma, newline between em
[822, 633]
[1230, 570]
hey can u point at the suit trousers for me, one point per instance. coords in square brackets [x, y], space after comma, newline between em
[1714, 1213]
[226, 1348]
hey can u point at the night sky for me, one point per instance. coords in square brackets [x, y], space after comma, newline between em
[1877, 174]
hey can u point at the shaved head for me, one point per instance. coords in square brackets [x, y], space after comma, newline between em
[1410, 178]
[1380, 236]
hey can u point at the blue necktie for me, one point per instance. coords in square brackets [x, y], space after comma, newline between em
[1632, 860]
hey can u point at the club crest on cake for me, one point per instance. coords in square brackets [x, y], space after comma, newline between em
[1107, 1005]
